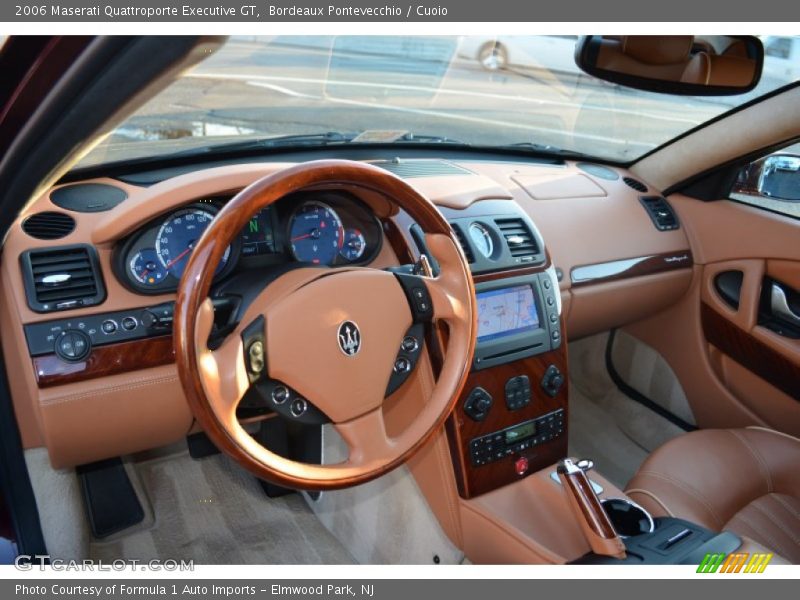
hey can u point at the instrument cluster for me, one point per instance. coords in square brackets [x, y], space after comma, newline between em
[319, 228]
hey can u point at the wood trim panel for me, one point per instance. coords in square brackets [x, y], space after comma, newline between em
[750, 352]
[631, 267]
[473, 481]
[50, 370]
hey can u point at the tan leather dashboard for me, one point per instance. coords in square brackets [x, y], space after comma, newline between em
[585, 219]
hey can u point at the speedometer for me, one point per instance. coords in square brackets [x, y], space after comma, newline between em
[177, 237]
[316, 233]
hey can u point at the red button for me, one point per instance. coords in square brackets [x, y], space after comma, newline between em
[521, 466]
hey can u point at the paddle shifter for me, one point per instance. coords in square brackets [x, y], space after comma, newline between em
[594, 522]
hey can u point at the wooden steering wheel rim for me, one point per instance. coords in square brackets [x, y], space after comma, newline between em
[453, 298]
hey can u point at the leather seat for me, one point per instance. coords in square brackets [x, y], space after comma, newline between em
[742, 480]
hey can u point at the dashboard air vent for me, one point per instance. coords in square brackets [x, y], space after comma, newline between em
[62, 278]
[421, 168]
[635, 184]
[464, 246]
[48, 225]
[660, 212]
[518, 237]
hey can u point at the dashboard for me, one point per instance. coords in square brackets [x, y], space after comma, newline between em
[99, 343]
[318, 228]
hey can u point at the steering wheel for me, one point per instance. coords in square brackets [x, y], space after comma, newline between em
[331, 334]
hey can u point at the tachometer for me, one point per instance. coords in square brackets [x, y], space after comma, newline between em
[178, 235]
[316, 233]
[145, 267]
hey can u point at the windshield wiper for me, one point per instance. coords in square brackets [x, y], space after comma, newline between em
[307, 139]
[547, 149]
[281, 141]
[429, 139]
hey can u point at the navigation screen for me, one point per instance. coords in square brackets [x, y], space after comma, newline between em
[504, 312]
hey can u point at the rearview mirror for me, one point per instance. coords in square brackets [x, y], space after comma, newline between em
[693, 65]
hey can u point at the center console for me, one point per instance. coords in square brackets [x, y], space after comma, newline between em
[511, 419]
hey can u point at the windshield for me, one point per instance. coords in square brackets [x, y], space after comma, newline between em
[482, 91]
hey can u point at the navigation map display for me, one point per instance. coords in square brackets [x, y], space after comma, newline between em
[505, 312]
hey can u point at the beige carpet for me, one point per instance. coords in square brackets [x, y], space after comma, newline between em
[607, 426]
[213, 512]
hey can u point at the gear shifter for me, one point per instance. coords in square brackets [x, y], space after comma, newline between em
[594, 522]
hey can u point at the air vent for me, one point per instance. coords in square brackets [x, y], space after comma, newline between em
[518, 237]
[62, 278]
[49, 225]
[660, 212]
[421, 168]
[464, 246]
[635, 184]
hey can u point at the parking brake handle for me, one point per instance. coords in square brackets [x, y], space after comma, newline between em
[593, 520]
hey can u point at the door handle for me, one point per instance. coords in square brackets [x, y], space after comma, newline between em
[779, 304]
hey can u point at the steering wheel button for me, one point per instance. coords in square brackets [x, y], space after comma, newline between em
[409, 344]
[256, 356]
[402, 365]
[298, 407]
[280, 394]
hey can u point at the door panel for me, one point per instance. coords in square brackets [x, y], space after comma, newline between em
[735, 355]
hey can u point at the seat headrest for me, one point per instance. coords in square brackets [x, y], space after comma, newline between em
[658, 50]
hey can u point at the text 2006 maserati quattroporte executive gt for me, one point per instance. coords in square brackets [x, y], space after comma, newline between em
[360, 300]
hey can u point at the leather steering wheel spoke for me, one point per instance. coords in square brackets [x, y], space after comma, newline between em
[366, 439]
[224, 371]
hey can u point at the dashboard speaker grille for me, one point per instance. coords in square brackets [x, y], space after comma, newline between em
[49, 225]
[62, 278]
[635, 184]
[88, 197]
[518, 237]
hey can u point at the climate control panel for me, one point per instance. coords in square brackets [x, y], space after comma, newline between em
[516, 439]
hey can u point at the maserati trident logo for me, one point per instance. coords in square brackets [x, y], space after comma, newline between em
[349, 338]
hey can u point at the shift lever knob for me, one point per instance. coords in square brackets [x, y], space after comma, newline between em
[594, 522]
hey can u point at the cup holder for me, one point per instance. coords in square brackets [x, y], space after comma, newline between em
[628, 518]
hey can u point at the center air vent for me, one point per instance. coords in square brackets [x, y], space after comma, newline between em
[62, 278]
[464, 245]
[49, 225]
[660, 212]
[518, 237]
[635, 184]
[421, 168]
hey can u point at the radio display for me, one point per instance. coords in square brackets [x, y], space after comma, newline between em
[520, 432]
[505, 312]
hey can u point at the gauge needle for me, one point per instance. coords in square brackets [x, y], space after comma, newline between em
[177, 258]
[301, 237]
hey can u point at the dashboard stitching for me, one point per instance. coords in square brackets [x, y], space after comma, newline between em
[133, 385]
